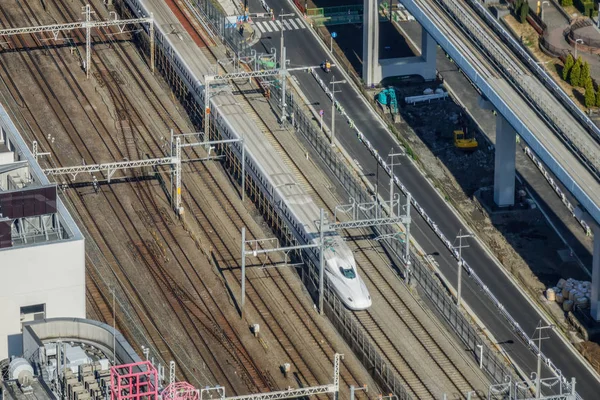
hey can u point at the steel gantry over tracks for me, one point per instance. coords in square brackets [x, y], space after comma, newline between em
[302, 392]
[110, 168]
[225, 78]
[88, 24]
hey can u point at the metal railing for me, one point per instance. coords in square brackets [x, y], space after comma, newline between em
[593, 160]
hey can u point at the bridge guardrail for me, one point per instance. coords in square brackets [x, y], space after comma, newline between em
[548, 82]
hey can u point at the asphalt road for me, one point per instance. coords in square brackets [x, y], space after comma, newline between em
[303, 49]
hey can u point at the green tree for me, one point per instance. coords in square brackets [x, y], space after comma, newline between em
[567, 68]
[590, 95]
[575, 73]
[523, 12]
[585, 74]
[598, 97]
[566, 3]
[518, 5]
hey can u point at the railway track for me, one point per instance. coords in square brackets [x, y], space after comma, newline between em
[123, 216]
[444, 366]
[70, 129]
[391, 301]
[444, 370]
[181, 301]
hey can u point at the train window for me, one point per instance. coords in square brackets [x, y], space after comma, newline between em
[348, 273]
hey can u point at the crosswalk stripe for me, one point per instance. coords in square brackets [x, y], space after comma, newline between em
[287, 25]
[267, 26]
[279, 25]
[275, 28]
[299, 22]
[293, 24]
[260, 27]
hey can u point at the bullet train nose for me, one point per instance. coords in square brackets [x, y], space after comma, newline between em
[360, 304]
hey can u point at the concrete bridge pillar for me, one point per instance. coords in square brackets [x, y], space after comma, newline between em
[370, 67]
[504, 167]
[595, 307]
[428, 52]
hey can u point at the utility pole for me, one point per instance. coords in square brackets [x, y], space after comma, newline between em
[282, 66]
[538, 378]
[460, 237]
[392, 156]
[321, 260]
[114, 328]
[332, 83]
[152, 52]
[243, 273]
[88, 40]
[407, 238]
[354, 389]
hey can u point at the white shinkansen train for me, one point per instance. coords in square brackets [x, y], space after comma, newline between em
[293, 205]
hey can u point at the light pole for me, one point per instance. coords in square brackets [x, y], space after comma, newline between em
[538, 378]
[332, 83]
[480, 346]
[460, 237]
[542, 10]
[576, 42]
[282, 66]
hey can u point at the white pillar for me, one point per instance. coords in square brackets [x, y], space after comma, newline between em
[595, 310]
[370, 42]
[504, 168]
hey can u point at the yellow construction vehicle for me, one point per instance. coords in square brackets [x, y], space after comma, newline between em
[463, 143]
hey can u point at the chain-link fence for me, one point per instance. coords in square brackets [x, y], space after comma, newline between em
[218, 24]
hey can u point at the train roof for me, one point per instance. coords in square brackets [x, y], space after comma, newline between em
[271, 164]
[172, 29]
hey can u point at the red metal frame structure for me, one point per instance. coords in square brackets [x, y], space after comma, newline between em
[180, 391]
[137, 381]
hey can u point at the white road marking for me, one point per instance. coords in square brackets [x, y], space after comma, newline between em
[291, 21]
[260, 27]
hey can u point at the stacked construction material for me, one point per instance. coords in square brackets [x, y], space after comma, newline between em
[570, 293]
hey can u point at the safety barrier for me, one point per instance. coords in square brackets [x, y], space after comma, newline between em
[218, 24]
[563, 198]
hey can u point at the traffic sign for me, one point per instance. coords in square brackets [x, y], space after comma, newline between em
[334, 34]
